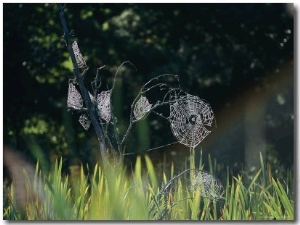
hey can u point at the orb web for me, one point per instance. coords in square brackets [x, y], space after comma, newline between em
[78, 56]
[74, 98]
[210, 187]
[103, 104]
[84, 121]
[188, 117]
[141, 108]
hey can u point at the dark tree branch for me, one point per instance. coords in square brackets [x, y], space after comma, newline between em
[84, 92]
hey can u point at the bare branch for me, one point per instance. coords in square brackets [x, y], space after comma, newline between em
[83, 90]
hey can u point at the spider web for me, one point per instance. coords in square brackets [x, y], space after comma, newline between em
[74, 98]
[188, 117]
[78, 56]
[103, 104]
[141, 108]
[84, 121]
[209, 187]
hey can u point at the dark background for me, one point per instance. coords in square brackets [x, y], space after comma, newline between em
[238, 57]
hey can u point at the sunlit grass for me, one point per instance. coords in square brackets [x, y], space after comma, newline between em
[114, 194]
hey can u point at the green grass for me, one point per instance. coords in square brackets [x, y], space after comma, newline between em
[113, 194]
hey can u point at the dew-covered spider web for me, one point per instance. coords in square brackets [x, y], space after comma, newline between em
[209, 186]
[189, 116]
[141, 108]
[84, 121]
[74, 98]
[193, 179]
[103, 104]
[78, 56]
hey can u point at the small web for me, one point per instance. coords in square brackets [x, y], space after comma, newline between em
[78, 56]
[103, 104]
[74, 98]
[141, 108]
[84, 121]
[188, 117]
[210, 187]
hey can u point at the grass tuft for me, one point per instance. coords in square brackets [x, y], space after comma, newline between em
[112, 194]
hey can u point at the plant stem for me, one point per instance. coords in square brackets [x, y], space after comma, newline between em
[192, 158]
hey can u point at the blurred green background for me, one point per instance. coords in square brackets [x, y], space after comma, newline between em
[238, 57]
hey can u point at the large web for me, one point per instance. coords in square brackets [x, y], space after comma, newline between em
[188, 117]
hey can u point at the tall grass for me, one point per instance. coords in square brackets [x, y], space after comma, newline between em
[113, 194]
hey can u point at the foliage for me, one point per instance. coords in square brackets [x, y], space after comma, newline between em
[113, 194]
